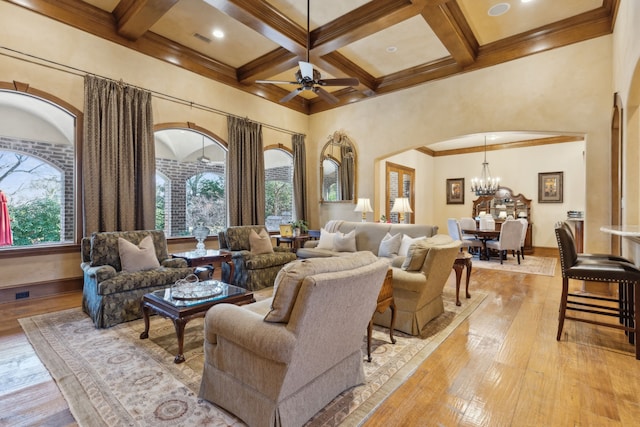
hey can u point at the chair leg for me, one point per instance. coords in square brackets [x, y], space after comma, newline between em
[522, 251]
[563, 307]
[518, 257]
[503, 255]
[634, 288]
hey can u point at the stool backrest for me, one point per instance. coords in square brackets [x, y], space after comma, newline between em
[566, 246]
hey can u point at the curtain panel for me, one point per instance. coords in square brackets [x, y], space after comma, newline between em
[245, 172]
[347, 173]
[299, 176]
[118, 161]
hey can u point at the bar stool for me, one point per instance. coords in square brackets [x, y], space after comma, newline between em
[625, 274]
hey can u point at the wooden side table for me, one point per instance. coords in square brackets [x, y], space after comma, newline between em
[209, 257]
[463, 260]
[385, 300]
[294, 243]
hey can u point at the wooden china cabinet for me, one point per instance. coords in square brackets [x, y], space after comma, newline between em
[505, 203]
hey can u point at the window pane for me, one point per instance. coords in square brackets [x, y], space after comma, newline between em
[190, 186]
[278, 188]
[37, 169]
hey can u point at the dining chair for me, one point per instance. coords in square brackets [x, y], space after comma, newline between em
[455, 232]
[625, 274]
[509, 240]
[525, 226]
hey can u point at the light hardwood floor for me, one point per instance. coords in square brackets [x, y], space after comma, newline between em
[501, 367]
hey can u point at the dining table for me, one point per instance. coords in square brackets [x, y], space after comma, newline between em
[484, 236]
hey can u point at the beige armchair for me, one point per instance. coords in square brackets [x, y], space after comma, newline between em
[418, 281]
[279, 361]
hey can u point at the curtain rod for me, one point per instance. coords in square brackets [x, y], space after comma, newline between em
[81, 73]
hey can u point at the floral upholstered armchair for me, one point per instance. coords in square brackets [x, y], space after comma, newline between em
[254, 269]
[114, 283]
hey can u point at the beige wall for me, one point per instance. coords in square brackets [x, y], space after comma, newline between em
[626, 81]
[566, 90]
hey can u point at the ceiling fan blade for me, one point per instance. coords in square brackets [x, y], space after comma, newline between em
[325, 95]
[348, 81]
[277, 82]
[291, 95]
[306, 69]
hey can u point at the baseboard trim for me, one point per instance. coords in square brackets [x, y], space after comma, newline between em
[40, 289]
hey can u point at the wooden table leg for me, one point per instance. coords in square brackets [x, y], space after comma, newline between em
[392, 307]
[179, 325]
[469, 266]
[369, 333]
[457, 267]
[145, 313]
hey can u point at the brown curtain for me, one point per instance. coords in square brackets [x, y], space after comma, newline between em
[299, 176]
[118, 161]
[347, 173]
[245, 172]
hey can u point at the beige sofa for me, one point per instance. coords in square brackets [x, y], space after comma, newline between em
[417, 282]
[368, 236]
[279, 361]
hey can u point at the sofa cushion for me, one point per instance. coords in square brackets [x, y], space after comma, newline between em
[289, 279]
[326, 240]
[126, 281]
[260, 243]
[407, 242]
[344, 242]
[137, 258]
[273, 259]
[390, 245]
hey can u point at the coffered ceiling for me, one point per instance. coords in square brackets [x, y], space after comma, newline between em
[388, 45]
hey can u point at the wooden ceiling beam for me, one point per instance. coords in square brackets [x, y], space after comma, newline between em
[274, 62]
[135, 17]
[450, 26]
[263, 18]
[339, 66]
[362, 22]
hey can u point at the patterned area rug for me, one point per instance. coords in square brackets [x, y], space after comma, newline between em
[545, 266]
[112, 378]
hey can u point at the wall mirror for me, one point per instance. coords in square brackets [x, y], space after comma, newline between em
[338, 169]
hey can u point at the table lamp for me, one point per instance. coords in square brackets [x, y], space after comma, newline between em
[401, 205]
[363, 206]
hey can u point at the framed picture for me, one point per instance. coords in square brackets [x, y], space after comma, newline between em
[550, 187]
[455, 191]
[286, 230]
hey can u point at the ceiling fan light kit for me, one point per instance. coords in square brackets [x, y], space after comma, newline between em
[308, 78]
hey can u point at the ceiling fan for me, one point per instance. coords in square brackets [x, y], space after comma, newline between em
[203, 158]
[308, 78]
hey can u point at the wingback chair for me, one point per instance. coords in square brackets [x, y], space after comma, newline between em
[112, 295]
[279, 361]
[252, 271]
[418, 281]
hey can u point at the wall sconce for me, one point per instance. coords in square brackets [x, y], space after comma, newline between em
[363, 206]
[401, 205]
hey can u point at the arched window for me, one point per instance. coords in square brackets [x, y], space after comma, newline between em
[37, 169]
[278, 164]
[191, 165]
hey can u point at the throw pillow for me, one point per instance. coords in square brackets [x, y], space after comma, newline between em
[137, 258]
[345, 242]
[406, 242]
[415, 256]
[326, 240]
[390, 245]
[260, 243]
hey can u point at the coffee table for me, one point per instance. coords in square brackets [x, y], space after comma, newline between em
[181, 311]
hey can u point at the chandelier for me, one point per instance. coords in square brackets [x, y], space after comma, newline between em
[486, 185]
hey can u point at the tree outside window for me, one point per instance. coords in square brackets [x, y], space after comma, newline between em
[278, 188]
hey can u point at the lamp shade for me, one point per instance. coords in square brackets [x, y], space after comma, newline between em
[364, 205]
[401, 205]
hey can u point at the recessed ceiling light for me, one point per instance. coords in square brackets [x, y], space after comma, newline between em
[218, 34]
[392, 49]
[499, 9]
[525, 1]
